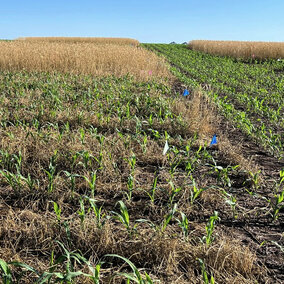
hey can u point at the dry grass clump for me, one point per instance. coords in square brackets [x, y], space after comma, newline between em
[95, 40]
[240, 49]
[85, 58]
[199, 113]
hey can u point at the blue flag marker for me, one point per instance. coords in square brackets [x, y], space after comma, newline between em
[214, 140]
[185, 92]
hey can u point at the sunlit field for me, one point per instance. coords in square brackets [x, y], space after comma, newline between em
[109, 174]
[253, 50]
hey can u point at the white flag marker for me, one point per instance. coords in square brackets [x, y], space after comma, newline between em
[166, 148]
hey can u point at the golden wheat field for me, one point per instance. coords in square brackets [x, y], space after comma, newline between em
[240, 49]
[84, 57]
[95, 40]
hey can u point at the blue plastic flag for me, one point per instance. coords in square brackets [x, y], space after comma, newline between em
[214, 140]
[185, 92]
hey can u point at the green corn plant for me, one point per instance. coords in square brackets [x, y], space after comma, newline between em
[173, 192]
[131, 181]
[14, 180]
[123, 216]
[126, 140]
[74, 159]
[153, 190]
[57, 211]
[144, 143]
[82, 136]
[18, 161]
[100, 221]
[82, 212]
[190, 165]
[72, 177]
[204, 273]
[195, 192]
[278, 204]
[30, 182]
[168, 218]
[232, 201]
[136, 276]
[281, 177]
[279, 184]
[184, 225]
[174, 163]
[101, 139]
[254, 179]
[51, 172]
[155, 133]
[223, 173]
[69, 259]
[210, 228]
[130, 186]
[150, 120]
[92, 182]
[86, 156]
[87, 159]
[100, 159]
[138, 127]
[6, 274]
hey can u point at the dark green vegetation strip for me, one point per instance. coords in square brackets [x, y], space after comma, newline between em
[250, 94]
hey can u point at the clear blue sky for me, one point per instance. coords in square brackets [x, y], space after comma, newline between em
[145, 20]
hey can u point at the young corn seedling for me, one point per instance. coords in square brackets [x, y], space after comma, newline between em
[131, 178]
[277, 204]
[232, 201]
[7, 275]
[150, 120]
[14, 180]
[174, 191]
[223, 173]
[70, 259]
[123, 216]
[254, 179]
[57, 211]
[195, 192]
[136, 276]
[210, 228]
[51, 172]
[143, 144]
[183, 224]
[18, 162]
[30, 182]
[280, 183]
[92, 183]
[72, 177]
[100, 221]
[281, 177]
[82, 212]
[100, 159]
[153, 190]
[82, 136]
[204, 273]
[174, 163]
[168, 218]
